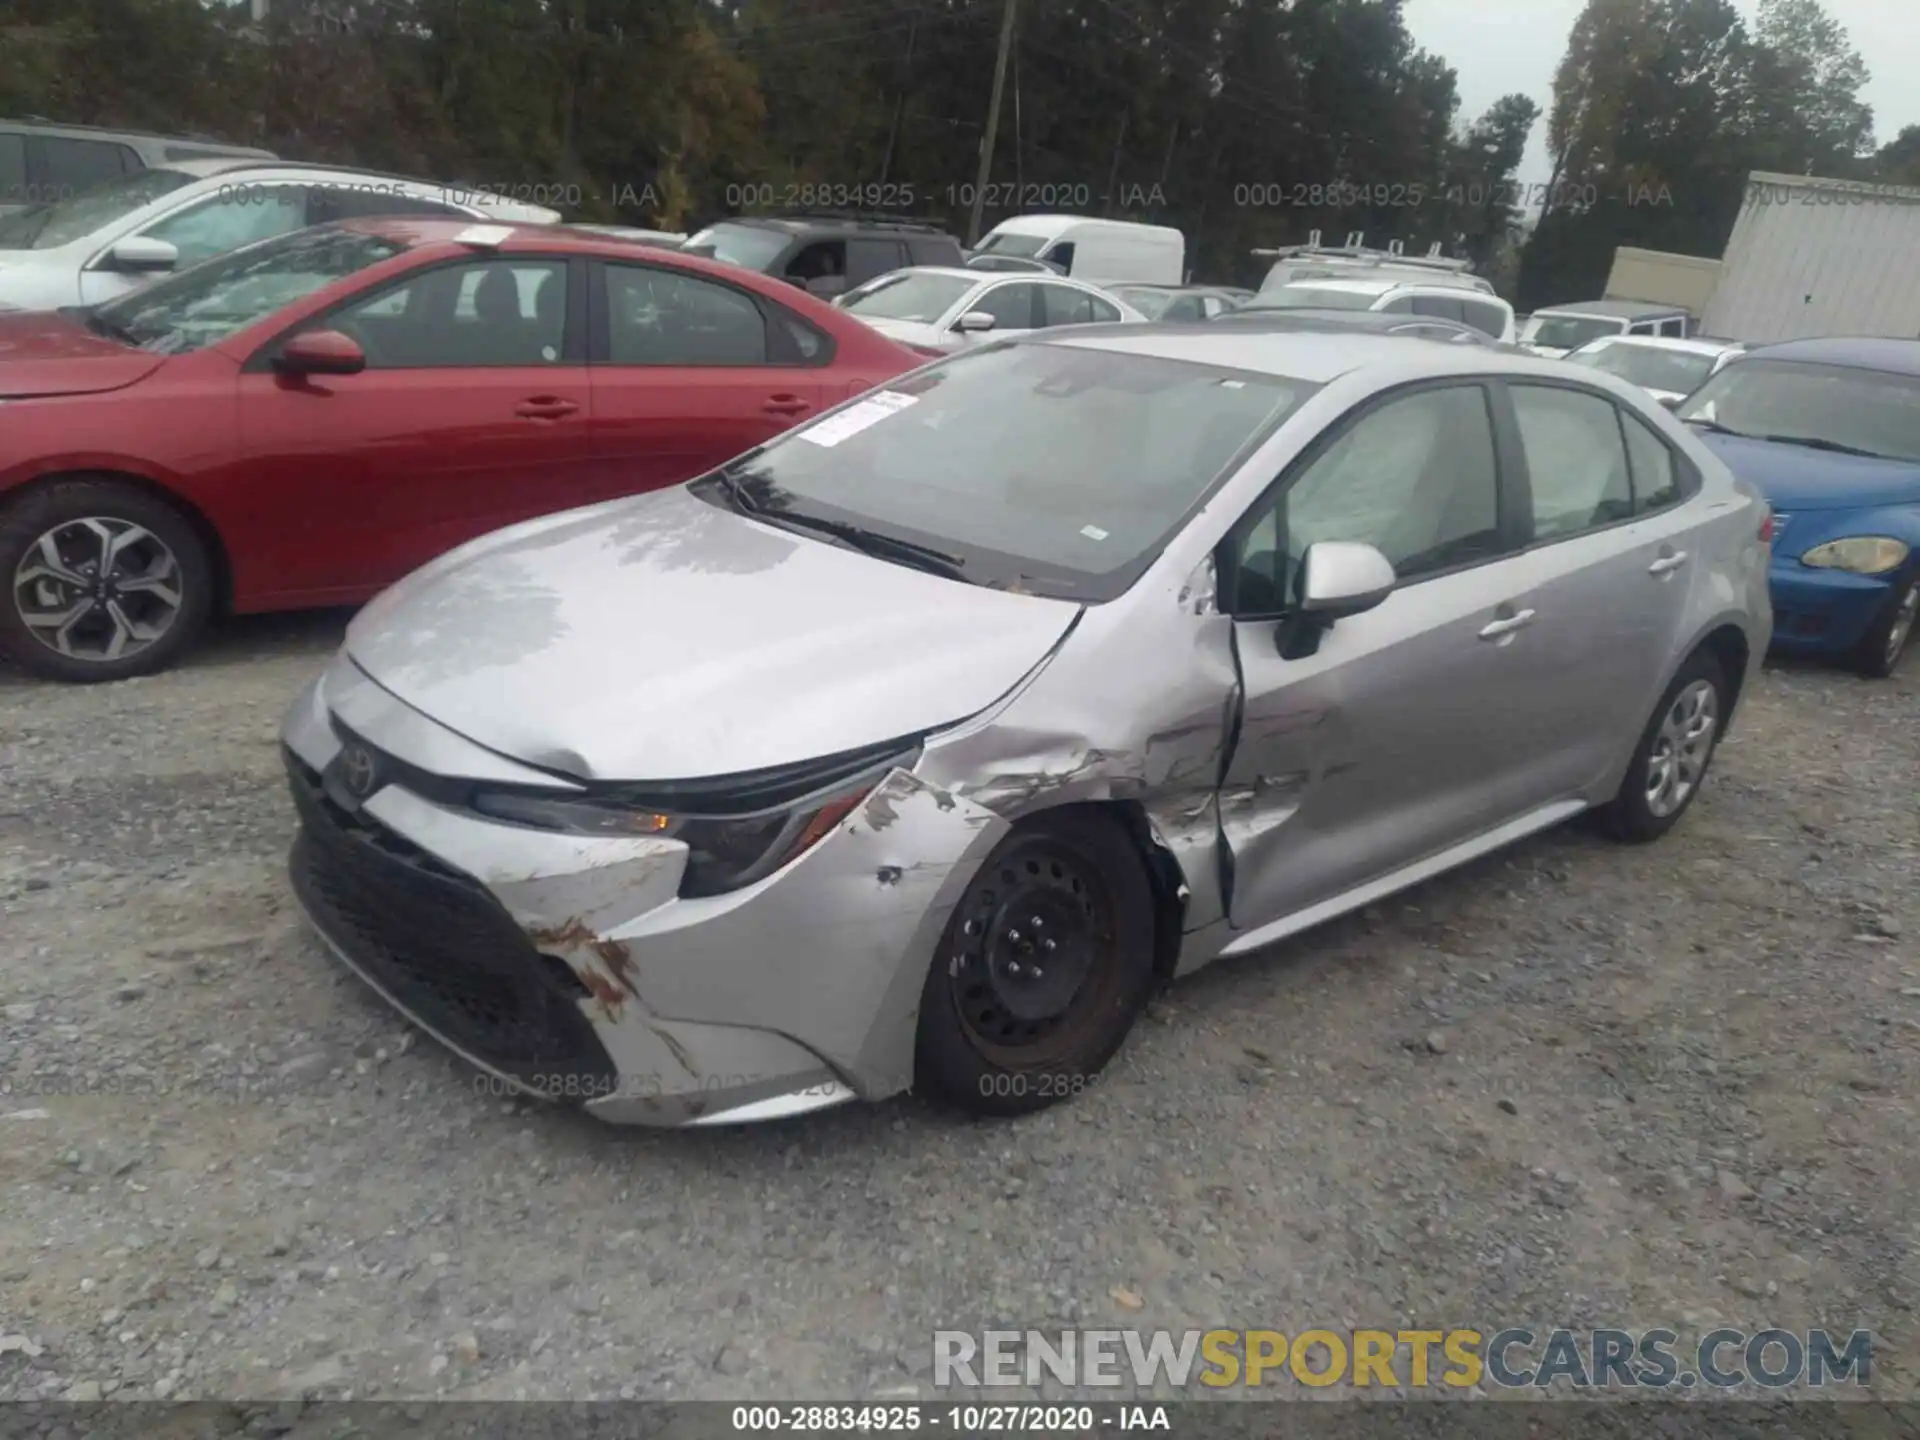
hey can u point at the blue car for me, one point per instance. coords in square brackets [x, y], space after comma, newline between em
[1829, 430]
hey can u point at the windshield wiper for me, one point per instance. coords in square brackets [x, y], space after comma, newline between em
[1813, 442]
[112, 330]
[884, 547]
[1716, 427]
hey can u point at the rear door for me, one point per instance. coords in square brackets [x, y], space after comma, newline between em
[688, 371]
[1069, 305]
[1610, 556]
[1015, 306]
[471, 414]
[1409, 729]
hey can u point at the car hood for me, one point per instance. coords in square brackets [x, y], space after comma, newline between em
[44, 353]
[1793, 477]
[663, 638]
[909, 332]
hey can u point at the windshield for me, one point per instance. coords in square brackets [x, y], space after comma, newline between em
[1047, 469]
[1569, 332]
[1872, 411]
[1676, 371]
[61, 222]
[749, 246]
[924, 298]
[204, 305]
[1317, 297]
[1029, 245]
[1149, 302]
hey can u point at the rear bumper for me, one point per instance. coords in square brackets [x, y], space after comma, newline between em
[1820, 612]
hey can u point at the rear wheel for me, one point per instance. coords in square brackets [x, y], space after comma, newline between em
[1891, 633]
[103, 581]
[1673, 755]
[1044, 967]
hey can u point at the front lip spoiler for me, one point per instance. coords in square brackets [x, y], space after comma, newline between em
[822, 1096]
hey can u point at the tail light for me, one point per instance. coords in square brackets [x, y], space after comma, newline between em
[1766, 527]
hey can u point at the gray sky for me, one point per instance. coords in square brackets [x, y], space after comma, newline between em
[1499, 46]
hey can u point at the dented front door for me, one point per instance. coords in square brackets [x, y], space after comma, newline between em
[1404, 734]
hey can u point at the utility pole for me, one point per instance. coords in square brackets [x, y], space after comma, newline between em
[993, 124]
[900, 102]
[1113, 179]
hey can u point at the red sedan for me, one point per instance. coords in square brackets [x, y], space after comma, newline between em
[304, 421]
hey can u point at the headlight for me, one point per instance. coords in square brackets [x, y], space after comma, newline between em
[1861, 554]
[737, 830]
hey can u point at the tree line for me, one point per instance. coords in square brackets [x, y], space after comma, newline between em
[1245, 123]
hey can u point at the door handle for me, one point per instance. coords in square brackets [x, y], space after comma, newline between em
[545, 407]
[1667, 564]
[1498, 628]
[786, 405]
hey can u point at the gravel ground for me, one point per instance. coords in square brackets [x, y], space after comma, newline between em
[1573, 1083]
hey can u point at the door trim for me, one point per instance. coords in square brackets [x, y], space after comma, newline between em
[1364, 894]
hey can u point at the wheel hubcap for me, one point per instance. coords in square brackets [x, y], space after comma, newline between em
[1903, 622]
[1035, 930]
[97, 589]
[1681, 747]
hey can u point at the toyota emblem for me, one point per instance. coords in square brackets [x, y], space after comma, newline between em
[357, 771]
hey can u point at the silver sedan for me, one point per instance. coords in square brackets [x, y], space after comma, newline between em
[913, 749]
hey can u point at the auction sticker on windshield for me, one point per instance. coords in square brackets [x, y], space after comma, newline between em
[855, 418]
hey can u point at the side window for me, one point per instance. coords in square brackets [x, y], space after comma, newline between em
[1061, 306]
[80, 163]
[1416, 478]
[810, 347]
[1013, 307]
[1676, 327]
[232, 217]
[1656, 483]
[327, 203]
[13, 170]
[1184, 308]
[1576, 460]
[941, 251]
[1441, 307]
[490, 313]
[824, 259]
[1211, 305]
[1061, 255]
[663, 317]
[1486, 318]
[868, 258]
[1399, 305]
[1641, 327]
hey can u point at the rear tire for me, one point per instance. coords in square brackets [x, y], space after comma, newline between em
[99, 580]
[1891, 634]
[1671, 759]
[1041, 972]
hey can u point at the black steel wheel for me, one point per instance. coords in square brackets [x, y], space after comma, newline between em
[1043, 968]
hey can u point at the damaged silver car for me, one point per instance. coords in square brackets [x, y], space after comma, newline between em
[914, 748]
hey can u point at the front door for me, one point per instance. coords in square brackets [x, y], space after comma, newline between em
[1407, 731]
[471, 414]
[689, 372]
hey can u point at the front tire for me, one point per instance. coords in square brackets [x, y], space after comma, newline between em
[1670, 762]
[99, 581]
[1041, 972]
[1891, 633]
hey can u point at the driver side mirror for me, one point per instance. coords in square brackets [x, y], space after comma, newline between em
[320, 352]
[140, 254]
[1338, 579]
[1672, 402]
[975, 322]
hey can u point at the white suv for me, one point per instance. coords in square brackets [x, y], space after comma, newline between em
[1460, 301]
[114, 237]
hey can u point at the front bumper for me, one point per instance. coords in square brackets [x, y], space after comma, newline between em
[568, 967]
[1824, 612]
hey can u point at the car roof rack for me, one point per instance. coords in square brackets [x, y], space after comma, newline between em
[887, 219]
[1356, 250]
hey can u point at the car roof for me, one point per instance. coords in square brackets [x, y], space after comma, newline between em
[31, 125]
[1690, 345]
[1900, 357]
[1314, 356]
[1308, 316]
[1612, 309]
[848, 224]
[1381, 284]
[418, 232]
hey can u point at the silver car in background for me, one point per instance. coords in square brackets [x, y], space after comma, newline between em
[914, 748]
[1668, 370]
[937, 309]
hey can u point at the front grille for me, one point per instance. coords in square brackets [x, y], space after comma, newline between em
[441, 947]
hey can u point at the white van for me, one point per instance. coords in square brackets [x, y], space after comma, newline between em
[1096, 250]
